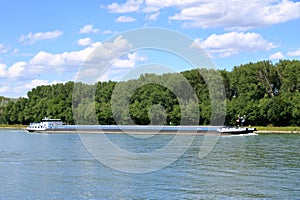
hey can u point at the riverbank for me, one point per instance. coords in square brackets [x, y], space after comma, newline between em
[260, 129]
[15, 126]
[277, 130]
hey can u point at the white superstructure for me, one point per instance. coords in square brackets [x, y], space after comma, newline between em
[45, 124]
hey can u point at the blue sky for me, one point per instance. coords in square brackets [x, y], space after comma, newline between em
[45, 42]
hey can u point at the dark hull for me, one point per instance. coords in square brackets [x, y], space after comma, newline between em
[188, 130]
[128, 129]
[236, 131]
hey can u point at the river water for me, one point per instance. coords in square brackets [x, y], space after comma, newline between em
[58, 166]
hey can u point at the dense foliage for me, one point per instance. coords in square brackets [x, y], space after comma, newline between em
[268, 94]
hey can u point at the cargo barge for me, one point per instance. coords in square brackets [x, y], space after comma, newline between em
[48, 125]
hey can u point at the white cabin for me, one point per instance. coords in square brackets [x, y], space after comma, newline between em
[48, 123]
[45, 124]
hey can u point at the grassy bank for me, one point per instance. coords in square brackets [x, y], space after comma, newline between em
[272, 129]
[15, 126]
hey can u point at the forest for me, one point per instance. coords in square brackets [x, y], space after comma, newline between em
[266, 93]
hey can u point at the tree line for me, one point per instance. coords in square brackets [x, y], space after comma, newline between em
[266, 93]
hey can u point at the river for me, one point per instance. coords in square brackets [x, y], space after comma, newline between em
[58, 166]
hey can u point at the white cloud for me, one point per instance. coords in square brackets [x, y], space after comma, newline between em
[17, 79]
[2, 70]
[60, 63]
[31, 38]
[110, 61]
[4, 90]
[121, 66]
[170, 3]
[88, 29]
[283, 11]
[228, 14]
[152, 17]
[129, 62]
[15, 50]
[66, 64]
[240, 15]
[102, 58]
[22, 89]
[84, 41]
[21, 77]
[149, 6]
[233, 43]
[125, 19]
[36, 82]
[108, 32]
[294, 53]
[16, 70]
[3, 48]
[128, 6]
[155, 5]
[276, 56]
[44, 59]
